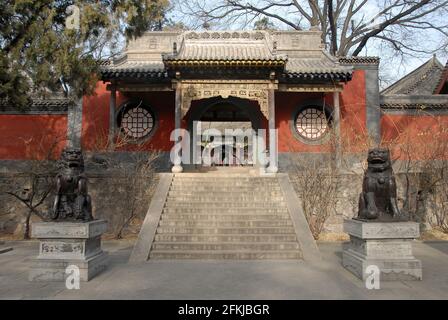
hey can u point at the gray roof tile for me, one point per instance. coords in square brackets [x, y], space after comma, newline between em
[414, 102]
[314, 65]
[301, 54]
[38, 106]
[421, 81]
[225, 51]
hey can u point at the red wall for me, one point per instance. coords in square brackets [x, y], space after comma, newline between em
[421, 136]
[286, 105]
[33, 137]
[96, 116]
[96, 119]
[353, 114]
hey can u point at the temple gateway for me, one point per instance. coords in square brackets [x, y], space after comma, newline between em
[281, 82]
[250, 110]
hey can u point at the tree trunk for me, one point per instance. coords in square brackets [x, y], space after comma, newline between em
[26, 233]
[333, 29]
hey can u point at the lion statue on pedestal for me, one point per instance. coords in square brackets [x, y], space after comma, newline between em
[72, 201]
[378, 200]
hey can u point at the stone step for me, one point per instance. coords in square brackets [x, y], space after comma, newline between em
[222, 172]
[225, 238]
[228, 255]
[225, 178]
[234, 230]
[219, 189]
[225, 205]
[204, 216]
[225, 224]
[229, 184]
[224, 198]
[222, 188]
[261, 193]
[225, 217]
[234, 246]
[238, 211]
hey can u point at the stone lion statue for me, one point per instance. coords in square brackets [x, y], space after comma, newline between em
[72, 201]
[378, 200]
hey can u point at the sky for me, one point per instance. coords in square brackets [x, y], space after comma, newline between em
[392, 67]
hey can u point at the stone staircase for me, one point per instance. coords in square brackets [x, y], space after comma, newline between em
[213, 216]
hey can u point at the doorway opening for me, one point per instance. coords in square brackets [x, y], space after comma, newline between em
[222, 132]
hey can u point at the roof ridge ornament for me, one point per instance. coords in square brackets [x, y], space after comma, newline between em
[174, 47]
[224, 35]
[359, 60]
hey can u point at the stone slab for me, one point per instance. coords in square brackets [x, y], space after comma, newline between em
[383, 248]
[381, 230]
[69, 248]
[55, 270]
[68, 230]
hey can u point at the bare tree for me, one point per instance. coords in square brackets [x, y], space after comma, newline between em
[138, 183]
[424, 167]
[136, 176]
[317, 187]
[40, 175]
[347, 25]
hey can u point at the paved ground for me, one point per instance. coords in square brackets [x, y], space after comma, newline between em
[224, 279]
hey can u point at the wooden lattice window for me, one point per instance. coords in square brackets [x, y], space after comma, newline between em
[312, 123]
[136, 121]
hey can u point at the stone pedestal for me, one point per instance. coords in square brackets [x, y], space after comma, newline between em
[387, 245]
[62, 244]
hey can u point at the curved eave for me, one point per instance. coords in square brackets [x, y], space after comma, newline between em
[414, 106]
[190, 63]
[38, 106]
[316, 76]
[134, 74]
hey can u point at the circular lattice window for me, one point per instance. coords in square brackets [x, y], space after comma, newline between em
[136, 122]
[311, 123]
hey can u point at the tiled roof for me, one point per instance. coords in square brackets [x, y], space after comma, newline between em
[224, 46]
[442, 86]
[422, 81]
[315, 76]
[314, 65]
[135, 69]
[359, 60]
[414, 102]
[324, 67]
[298, 55]
[224, 51]
[53, 105]
[414, 106]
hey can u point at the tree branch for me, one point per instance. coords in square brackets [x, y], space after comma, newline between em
[387, 23]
